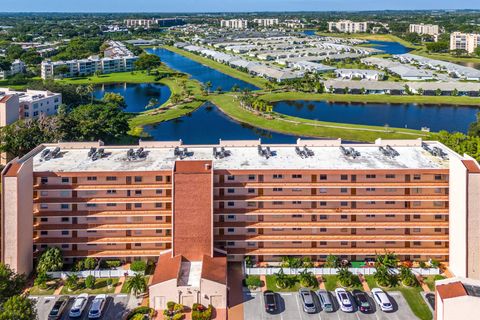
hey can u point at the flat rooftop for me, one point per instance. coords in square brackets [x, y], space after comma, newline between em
[244, 155]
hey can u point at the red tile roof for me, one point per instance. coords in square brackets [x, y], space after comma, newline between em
[6, 98]
[215, 269]
[167, 268]
[471, 166]
[451, 290]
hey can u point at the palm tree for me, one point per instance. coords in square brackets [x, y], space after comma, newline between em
[89, 90]
[307, 279]
[136, 284]
[153, 102]
[281, 279]
[80, 90]
[388, 259]
[332, 261]
[235, 87]
[345, 277]
[72, 282]
[208, 85]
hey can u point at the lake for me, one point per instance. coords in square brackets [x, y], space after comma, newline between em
[413, 116]
[207, 125]
[198, 71]
[389, 47]
[137, 96]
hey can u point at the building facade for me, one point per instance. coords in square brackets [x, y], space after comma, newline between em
[455, 298]
[430, 29]
[266, 22]
[347, 26]
[261, 201]
[234, 24]
[464, 41]
[16, 67]
[139, 23]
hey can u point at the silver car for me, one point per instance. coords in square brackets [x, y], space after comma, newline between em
[306, 298]
[97, 306]
[78, 306]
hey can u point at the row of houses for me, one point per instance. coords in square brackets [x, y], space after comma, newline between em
[403, 88]
[405, 72]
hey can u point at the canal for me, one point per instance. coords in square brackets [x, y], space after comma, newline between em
[200, 72]
[413, 116]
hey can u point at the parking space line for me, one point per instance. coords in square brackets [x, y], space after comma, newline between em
[298, 307]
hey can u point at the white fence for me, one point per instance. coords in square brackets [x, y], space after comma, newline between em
[333, 271]
[96, 273]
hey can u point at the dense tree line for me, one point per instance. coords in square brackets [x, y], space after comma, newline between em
[13, 303]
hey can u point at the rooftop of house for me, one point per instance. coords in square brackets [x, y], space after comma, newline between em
[245, 155]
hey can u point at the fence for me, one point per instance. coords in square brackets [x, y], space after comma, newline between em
[115, 273]
[333, 271]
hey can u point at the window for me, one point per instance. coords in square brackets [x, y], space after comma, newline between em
[138, 179]
[344, 203]
[138, 205]
[389, 202]
[44, 233]
[323, 243]
[322, 190]
[44, 219]
[65, 180]
[296, 202]
[417, 243]
[278, 176]
[111, 178]
[296, 242]
[158, 178]
[277, 229]
[230, 204]
[296, 189]
[277, 203]
[230, 230]
[64, 246]
[438, 229]
[389, 216]
[158, 231]
[370, 229]
[251, 190]
[66, 205]
[438, 217]
[416, 216]
[44, 193]
[91, 178]
[390, 176]
[344, 230]
[438, 177]
[323, 177]
[438, 203]
[230, 190]
[65, 219]
[416, 203]
[323, 203]
[343, 190]
[296, 176]
[323, 217]
[297, 215]
[344, 177]
[158, 205]
[323, 229]
[111, 191]
[111, 204]
[158, 218]
[44, 180]
[231, 217]
[65, 233]
[230, 178]
[416, 229]
[370, 216]
[343, 216]
[390, 242]
[251, 230]
[43, 206]
[251, 177]
[277, 189]
[438, 190]
[416, 177]
[370, 189]
[251, 244]
[251, 204]
[343, 243]
[158, 191]
[371, 176]
[438, 243]
[231, 243]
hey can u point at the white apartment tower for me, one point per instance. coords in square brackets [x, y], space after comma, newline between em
[234, 24]
[266, 22]
[347, 26]
[464, 41]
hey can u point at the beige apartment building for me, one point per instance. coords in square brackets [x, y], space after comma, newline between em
[234, 24]
[347, 26]
[464, 41]
[430, 29]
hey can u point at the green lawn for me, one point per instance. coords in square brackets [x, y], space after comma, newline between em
[100, 287]
[311, 128]
[124, 287]
[430, 281]
[445, 56]
[256, 81]
[273, 287]
[331, 283]
[411, 294]
[51, 287]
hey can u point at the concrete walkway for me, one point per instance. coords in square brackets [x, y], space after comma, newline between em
[422, 283]
[364, 283]
[263, 278]
[321, 283]
[58, 290]
[235, 292]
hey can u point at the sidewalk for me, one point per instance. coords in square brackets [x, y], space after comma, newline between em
[424, 286]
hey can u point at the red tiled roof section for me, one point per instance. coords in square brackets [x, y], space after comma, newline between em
[451, 290]
[215, 269]
[193, 209]
[6, 98]
[12, 171]
[167, 268]
[471, 166]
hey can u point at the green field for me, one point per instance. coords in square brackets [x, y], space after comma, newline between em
[273, 287]
[331, 283]
[310, 128]
[100, 287]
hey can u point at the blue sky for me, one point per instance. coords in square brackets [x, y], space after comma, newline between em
[227, 5]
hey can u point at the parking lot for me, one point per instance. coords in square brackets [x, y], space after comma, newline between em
[115, 308]
[289, 307]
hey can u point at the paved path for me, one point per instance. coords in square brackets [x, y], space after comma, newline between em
[365, 286]
[321, 283]
[235, 292]
[263, 278]
[422, 283]
[58, 290]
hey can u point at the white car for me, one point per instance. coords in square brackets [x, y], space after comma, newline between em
[78, 306]
[382, 300]
[97, 306]
[344, 301]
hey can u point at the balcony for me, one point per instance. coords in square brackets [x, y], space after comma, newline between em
[113, 253]
[99, 214]
[335, 224]
[346, 197]
[329, 237]
[106, 186]
[92, 240]
[346, 184]
[331, 211]
[336, 251]
[146, 199]
[106, 226]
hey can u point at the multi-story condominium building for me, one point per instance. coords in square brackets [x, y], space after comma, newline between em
[464, 41]
[347, 26]
[17, 67]
[234, 24]
[137, 23]
[430, 29]
[266, 22]
[117, 58]
[293, 24]
[28, 104]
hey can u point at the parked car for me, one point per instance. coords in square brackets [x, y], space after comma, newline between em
[97, 306]
[58, 308]
[382, 299]
[306, 298]
[344, 300]
[325, 301]
[78, 306]
[270, 301]
[361, 298]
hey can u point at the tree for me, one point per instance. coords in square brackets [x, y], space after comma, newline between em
[90, 282]
[282, 280]
[138, 266]
[175, 98]
[387, 259]
[72, 282]
[50, 260]
[474, 128]
[208, 86]
[61, 70]
[114, 98]
[307, 279]
[18, 308]
[407, 277]
[89, 263]
[441, 46]
[136, 284]
[10, 283]
[477, 51]
[4, 64]
[345, 277]
[332, 261]
[235, 88]
[41, 280]
[147, 61]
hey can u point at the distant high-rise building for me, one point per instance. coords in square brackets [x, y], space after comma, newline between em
[266, 22]
[347, 26]
[234, 24]
[464, 41]
[430, 29]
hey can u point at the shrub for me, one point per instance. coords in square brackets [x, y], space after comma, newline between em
[407, 277]
[111, 263]
[89, 263]
[178, 307]
[438, 277]
[138, 266]
[435, 263]
[139, 311]
[170, 305]
[253, 282]
[345, 277]
[307, 279]
[178, 316]
[41, 280]
[72, 282]
[422, 264]
[79, 265]
[199, 312]
[90, 282]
